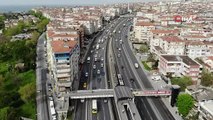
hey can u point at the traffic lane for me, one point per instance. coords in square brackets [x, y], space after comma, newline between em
[157, 102]
[161, 107]
[80, 111]
[145, 113]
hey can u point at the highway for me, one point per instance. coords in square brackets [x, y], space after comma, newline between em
[95, 80]
[149, 108]
[41, 78]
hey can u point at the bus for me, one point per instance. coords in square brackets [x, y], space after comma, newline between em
[120, 79]
[52, 110]
[94, 106]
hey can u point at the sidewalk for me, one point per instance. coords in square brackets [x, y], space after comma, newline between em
[158, 85]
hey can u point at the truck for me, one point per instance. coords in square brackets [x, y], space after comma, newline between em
[94, 106]
[97, 46]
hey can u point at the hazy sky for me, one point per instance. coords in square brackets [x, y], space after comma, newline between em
[63, 2]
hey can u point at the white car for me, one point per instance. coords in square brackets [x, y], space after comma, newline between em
[136, 65]
[86, 74]
[102, 64]
[102, 59]
[94, 66]
[98, 71]
[96, 59]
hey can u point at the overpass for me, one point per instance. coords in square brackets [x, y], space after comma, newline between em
[106, 93]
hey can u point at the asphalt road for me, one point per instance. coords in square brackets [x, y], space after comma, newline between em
[41, 78]
[144, 106]
[94, 81]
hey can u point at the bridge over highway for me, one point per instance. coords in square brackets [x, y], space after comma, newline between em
[106, 93]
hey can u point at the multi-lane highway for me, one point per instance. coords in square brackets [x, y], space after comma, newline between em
[149, 108]
[96, 79]
[94, 76]
[41, 78]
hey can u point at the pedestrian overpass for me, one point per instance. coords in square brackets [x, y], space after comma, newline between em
[107, 93]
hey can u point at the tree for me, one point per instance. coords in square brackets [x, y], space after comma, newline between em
[151, 58]
[2, 18]
[183, 82]
[144, 48]
[27, 92]
[8, 113]
[185, 102]
[206, 78]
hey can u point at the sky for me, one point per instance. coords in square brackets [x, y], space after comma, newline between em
[64, 2]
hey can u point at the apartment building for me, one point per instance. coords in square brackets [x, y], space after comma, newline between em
[195, 49]
[208, 63]
[142, 31]
[171, 45]
[157, 34]
[64, 63]
[179, 65]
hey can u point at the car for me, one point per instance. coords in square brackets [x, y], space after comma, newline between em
[91, 51]
[98, 71]
[119, 31]
[84, 85]
[102, 59]
[102, 64]
[94, 66]
[38, 91]
[119, 49]
[82, 100]
[116, 39]
[86, 74]
[96, 59]
[50, 98]
[132, 80]
[119, 55]
[105, 101]
[136, 65]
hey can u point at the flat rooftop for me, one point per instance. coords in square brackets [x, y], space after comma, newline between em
[178, 58]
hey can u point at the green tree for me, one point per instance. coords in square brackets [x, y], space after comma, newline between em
[185, 102]
[2, 18]
[42, 25]
[8, 113]
[27, 92]
[151, 58]
[183, 82]
[206, 78]
[144, 48]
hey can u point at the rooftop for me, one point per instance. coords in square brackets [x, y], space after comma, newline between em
[165, 31]
[172, 39]
[61, 46]
[144, 24]
[176, 58]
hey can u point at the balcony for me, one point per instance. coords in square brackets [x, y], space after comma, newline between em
[64, 83]
[63, 71]
[63, 66]
[62, 61]
[64, 75]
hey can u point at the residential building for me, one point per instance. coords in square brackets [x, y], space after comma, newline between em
[64, 63]
[205, 109]
[208, 63]
[178, 66]
[142, 30]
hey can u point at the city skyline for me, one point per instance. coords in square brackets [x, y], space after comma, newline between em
[65, 2]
